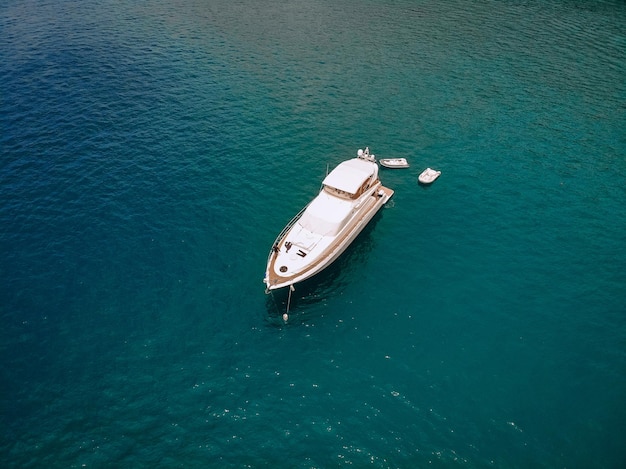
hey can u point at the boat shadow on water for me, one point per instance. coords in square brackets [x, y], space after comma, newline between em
[328, 283]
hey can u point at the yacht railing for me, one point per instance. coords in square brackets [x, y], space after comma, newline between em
[285, 230]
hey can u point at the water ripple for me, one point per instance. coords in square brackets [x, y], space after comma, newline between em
[152, 151]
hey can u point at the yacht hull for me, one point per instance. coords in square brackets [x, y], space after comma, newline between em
[322, 259]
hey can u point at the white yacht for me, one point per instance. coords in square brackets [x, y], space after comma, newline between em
[351, 195]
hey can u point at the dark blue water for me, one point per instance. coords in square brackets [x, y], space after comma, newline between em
[152, 151]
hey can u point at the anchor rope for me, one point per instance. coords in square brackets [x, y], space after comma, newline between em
[289, 298]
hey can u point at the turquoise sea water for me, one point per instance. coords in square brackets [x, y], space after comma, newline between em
[152, 151]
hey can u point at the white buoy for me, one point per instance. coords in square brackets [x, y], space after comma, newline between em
[285, 317]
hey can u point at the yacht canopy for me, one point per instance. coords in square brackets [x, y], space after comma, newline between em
[350, 175]
[326, 215]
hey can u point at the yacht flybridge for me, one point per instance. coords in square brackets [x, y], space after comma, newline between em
[351, 195]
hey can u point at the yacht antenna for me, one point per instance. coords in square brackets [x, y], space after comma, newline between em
[322, 184]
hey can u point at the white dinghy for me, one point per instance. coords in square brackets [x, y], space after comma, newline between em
[350, 196]
[394, 163]
[428, 176]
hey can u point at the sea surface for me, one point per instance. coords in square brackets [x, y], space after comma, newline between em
[151, 151]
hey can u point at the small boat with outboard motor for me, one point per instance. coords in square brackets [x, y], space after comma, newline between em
[394, 163]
